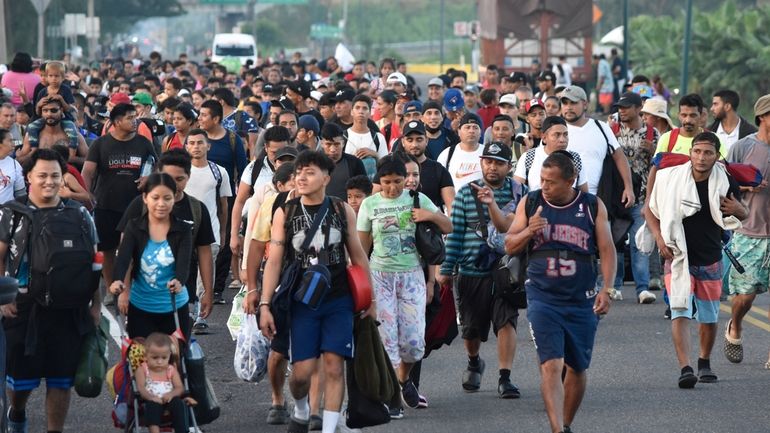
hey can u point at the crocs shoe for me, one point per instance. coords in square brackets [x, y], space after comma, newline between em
[733, 348]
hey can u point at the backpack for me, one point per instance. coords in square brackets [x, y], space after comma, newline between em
[256, 169]
[60, 251]
[370, 164]
[239, 127]
[610, 190]
[672, 139]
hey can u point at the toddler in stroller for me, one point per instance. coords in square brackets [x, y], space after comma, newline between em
[160, 385]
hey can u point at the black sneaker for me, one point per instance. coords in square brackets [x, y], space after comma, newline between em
[396, 412]
[667, 313]
[410, 395]
[219, 299]
[507, 390]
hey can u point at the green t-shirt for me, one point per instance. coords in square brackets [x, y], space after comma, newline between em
[392, 228]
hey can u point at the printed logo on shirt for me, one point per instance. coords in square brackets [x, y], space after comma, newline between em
[466, 169]
[580, 213]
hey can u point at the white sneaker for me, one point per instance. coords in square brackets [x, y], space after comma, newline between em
[646, 297]
[616, 295]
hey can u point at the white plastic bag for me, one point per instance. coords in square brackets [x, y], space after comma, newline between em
[235, 320]
[251, 351]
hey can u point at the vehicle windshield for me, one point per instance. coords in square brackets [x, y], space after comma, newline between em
[234, 50]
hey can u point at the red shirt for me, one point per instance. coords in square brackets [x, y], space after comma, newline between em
[487, 115]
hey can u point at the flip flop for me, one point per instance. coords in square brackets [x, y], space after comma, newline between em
[688, 380]
[705, 375]
[733, 348]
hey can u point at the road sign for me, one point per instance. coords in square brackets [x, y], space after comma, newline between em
[325, 31]
[93, 27]
[74, 24]
[461, 28]
[40, 5]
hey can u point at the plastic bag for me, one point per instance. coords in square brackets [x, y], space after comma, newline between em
[235, 321]
[251, 352]
[93, 362]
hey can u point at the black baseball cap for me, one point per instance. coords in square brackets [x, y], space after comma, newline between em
[300, 87]
[518, 77]
[499, 151]
[547, 76]
[327, 99]
[287, 151]
[629, 99]
[414, 127]
[346, 94]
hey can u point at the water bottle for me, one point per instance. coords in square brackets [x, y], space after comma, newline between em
[196, 352]
[98, 262]
[147, 167]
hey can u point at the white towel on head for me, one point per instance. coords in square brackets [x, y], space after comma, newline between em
[675, 197]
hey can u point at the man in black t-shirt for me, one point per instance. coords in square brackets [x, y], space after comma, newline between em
[117, 164]
[328, 327]
[345, 165]
[177, 164]
[435, 179]
[694, 279]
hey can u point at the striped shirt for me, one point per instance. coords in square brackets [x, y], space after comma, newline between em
[465, 241]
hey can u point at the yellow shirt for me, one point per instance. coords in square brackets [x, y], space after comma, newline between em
[683, 145]
[263, 222]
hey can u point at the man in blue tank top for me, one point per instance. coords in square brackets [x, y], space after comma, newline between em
[563, 234]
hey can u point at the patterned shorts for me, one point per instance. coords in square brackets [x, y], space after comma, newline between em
[754, 256]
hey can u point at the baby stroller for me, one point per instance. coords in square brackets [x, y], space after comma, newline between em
[127, 412]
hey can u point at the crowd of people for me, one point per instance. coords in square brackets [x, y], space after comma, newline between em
[188, 178]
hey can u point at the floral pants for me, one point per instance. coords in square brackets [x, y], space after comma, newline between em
[401, 298]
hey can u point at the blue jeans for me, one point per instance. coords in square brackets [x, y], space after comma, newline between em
[620, 273]
[640, 263]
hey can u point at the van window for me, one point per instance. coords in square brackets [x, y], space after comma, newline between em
[234, 51]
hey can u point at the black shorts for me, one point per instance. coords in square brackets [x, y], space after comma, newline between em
[106, 222]
[479, 308]
[60, 335]
[280, 343]
[142, 323]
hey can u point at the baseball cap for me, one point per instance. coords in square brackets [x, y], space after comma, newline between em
[119, 98]
[498, 151]
[469, 118]
[413, 106]
[761, 108]
[574, 94]
[308, 122]
[509, 99]
[346, 94]
[273, 89]
[287, 151]
[644, 91]
[547, 76]
[436, 82]
[396, 77]
[327, 99]
[533, 103]
[552, 121]
[284, 103]
[315, 94]
[300, 87]
[184, 92]
[629, 99]
[414, 127]
[453, 100]
[470, 88]
[519, 77]
[142, 98]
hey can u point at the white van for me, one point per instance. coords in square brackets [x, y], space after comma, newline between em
[234, 45]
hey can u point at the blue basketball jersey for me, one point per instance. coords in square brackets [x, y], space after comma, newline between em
[559, 278]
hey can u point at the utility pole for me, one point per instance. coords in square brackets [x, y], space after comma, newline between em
[40, 7]
[625, 40]
[92, 38]
[686, 54]
[3, 32]
[441, 38]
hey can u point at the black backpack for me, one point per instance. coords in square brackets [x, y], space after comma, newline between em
[60, 251]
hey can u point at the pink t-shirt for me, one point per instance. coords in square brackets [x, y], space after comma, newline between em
[12, 79]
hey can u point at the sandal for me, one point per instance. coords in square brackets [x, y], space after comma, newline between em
[733, 348]
[705, 375]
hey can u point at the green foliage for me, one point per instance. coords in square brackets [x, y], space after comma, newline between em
[116, 16]
[730, 48]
